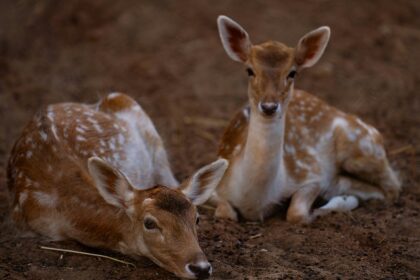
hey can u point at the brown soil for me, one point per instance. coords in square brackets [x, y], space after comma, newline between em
[167, 55]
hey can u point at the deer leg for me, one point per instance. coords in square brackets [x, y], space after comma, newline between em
[390, 182]
[352, 186]
[366, 160]
[299, 210]
[346, 194]
[224, 209]
[340, 203]
[378, 173]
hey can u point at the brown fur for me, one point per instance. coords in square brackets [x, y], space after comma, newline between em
[234, 134]
[272, 54]
[54, 194]
[118, 103]
[306, 147]
[270, 62]
[301, 133]
[172, 201]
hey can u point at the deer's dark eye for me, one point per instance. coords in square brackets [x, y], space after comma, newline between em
[250, 72]
[150, 224]
[292, 74]
[197, 220]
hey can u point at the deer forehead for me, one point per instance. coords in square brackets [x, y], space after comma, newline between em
[273, 56]
[168, 201]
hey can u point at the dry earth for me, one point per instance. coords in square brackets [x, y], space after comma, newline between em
[167, 55]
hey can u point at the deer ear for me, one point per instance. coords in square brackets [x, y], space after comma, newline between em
[202, 184]
[311, 47]
[234, 38]
[111, 183]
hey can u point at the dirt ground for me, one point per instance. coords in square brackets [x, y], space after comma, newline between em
[167, 55]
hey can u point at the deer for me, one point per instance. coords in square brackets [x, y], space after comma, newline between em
[99, 174]
[286, 145]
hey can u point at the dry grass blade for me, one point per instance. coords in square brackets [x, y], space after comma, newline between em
[400, 150]
[253, 223]
[208, 207]
[206, 135]
[87, 254]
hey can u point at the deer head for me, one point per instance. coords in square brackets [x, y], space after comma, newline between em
[272, 66]
[163, 220]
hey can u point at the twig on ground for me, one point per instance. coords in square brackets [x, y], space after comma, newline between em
[256, 236]
[87, 254]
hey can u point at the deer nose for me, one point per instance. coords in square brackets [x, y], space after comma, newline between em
[269, 108]
[201, 270]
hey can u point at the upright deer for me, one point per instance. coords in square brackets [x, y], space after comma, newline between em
[99, 174]
[286, 143]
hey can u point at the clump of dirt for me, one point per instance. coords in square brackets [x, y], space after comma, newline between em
[167, 55]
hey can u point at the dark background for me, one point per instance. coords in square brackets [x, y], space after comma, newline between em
[167, 55]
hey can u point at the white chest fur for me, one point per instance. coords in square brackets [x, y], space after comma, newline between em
[259, 179]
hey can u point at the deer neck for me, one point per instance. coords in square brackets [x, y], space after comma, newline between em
[264, 145]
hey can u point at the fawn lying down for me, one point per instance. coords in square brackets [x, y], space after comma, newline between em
[286, 143]
[99, 174]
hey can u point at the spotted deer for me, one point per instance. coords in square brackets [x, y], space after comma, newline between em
[99, 174]
[286, 143]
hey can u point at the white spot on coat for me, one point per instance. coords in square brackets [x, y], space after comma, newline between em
[88, 113]
[45, 199]
[237, 149]
[92, 120]
[80, 130]
[54, 131]
[246, 112]
[98, 128]
[50, 116]
[23, 196]
[43, 135]
[113, 95]
[366, 146]
[340, 122]
[80, 138]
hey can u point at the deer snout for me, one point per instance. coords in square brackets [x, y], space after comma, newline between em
[269, 108]
[200, 270]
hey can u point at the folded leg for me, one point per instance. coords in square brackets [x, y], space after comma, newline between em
[299, 210]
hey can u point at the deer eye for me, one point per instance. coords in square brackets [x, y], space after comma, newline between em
[292, 74]
[150, 224]
[197, 220]
[250, 72]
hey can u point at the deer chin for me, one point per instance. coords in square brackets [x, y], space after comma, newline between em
[181, 272]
